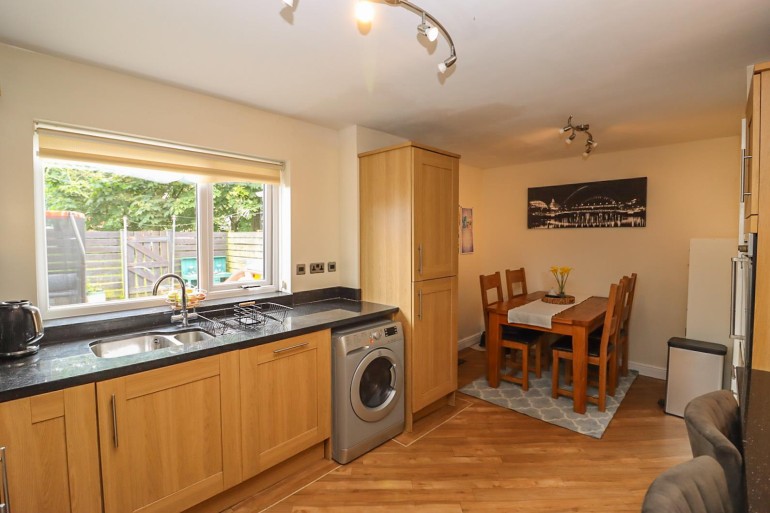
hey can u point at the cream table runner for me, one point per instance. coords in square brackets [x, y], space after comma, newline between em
[539, 313]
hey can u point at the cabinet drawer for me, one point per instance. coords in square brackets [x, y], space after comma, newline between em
[285, 348]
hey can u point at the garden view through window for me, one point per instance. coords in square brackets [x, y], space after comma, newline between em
[112, 231]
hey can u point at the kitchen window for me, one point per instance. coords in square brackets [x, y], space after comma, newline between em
[117, 212]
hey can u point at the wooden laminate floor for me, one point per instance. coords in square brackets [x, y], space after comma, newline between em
[489, 459]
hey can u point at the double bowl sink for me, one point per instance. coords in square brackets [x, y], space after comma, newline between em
[136, 343]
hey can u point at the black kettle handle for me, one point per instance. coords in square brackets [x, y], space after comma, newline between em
[38, 319]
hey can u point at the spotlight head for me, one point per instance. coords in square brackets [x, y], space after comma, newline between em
[426, 29]
[571, 138]
[364, 11]
[447, 63]
[290, 3]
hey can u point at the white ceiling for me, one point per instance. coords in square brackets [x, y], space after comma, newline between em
[641, 72]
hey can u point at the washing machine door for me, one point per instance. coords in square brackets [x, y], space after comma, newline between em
[376, 385]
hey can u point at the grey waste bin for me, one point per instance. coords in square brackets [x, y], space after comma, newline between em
[694, 368]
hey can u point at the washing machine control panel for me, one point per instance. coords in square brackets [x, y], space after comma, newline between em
[376, 336]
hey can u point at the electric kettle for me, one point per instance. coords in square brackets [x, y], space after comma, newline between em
[21, 326]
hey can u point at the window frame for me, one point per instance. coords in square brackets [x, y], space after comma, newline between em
[205, 222]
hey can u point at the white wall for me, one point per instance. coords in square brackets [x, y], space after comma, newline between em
[41, 87]
[692, 191]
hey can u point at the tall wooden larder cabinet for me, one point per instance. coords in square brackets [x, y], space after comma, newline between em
[409, 245]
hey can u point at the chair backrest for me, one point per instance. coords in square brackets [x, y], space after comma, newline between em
[628, 301]
[696, 486]
[714, 428]
[516, 282]
[613, 316]
[490, 282]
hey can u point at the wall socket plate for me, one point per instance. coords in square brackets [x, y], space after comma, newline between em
[300, 269]
[317, 267]
[331, 266]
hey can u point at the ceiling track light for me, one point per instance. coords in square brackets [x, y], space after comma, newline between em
[430, 28]
[574, 129]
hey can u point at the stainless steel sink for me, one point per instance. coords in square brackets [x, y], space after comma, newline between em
[131, 344]
[144, 342]
[191, 336]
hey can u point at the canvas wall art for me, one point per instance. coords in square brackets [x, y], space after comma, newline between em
[606, 204]
[466, 230]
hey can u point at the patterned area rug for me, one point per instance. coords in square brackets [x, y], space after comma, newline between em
[538, 403]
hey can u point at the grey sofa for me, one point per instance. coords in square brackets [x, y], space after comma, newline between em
[714, 428]
[696, 486]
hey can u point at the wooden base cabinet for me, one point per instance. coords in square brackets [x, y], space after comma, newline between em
[168, 436]
[285, 399]
[51, 453]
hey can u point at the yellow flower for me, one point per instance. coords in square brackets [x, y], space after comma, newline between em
[561, 274]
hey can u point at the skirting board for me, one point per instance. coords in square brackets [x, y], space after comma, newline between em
[643, 369]
[648, 370]
[469, 341]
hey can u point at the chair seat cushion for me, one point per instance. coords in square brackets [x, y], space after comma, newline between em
[522, 335]
[565, 344]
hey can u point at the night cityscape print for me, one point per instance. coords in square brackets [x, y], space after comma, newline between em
[607, 204]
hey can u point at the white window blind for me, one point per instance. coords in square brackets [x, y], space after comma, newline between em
[61, 142]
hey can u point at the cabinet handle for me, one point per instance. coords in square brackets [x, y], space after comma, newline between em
[738, 263]
[744, 158]
[5, 507]
[290, 348]
[419, 301]
[419, 259]
[114, 404]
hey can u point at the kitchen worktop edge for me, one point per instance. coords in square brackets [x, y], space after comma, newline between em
[59, 366]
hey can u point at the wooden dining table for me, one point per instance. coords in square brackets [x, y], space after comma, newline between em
[577, 321]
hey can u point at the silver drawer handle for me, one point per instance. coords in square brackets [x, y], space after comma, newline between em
[114, 421]
[290, 348]
[5, 507]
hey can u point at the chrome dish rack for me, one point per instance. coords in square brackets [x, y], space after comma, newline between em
[242, 317]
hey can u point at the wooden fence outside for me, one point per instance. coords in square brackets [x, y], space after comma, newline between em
[121, 264]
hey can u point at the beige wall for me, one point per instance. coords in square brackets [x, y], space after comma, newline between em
[470, 265]
[354, 140]
[40, 87]
[692, 191]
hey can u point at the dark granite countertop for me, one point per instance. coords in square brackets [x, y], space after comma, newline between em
[61, 365]
[756, 443]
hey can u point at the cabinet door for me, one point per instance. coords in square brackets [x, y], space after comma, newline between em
[52, 452]
[285, 399]
[760, 353]
[435, 203]
[433, 345]
[751, 178]
[164, 436]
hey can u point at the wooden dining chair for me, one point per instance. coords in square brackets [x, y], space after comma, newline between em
[622, 349]
[602, 354]
[516, 282]
[628, 302]
[516, 339]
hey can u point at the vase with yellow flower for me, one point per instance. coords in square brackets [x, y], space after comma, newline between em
[561, 274]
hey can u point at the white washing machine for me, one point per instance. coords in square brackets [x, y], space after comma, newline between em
[367, 388]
